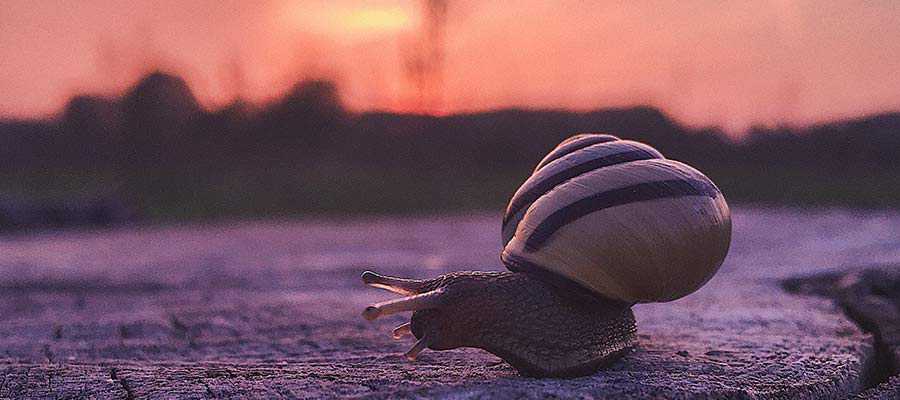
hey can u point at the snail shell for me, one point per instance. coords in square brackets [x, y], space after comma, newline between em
[617, 218]
[574, 143]
[601, 224]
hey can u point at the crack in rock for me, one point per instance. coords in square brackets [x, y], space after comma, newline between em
[871, 299]
[114, 375]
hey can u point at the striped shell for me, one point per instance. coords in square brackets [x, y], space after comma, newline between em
[618, 218]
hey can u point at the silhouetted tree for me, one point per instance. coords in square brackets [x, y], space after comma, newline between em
[310, 115]
[91, 131]
[158, 113]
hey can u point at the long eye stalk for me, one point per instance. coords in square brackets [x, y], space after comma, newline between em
[417, 302]
[402, 286]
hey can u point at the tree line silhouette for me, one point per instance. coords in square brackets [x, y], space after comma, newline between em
[161, 155]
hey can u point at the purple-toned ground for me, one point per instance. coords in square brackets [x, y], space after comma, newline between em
[272, 309]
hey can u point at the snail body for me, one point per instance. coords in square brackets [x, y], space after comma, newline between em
[601, 224]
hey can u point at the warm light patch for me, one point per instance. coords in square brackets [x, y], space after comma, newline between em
[375, 20]
[341, 21]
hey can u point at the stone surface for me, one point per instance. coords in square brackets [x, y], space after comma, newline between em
[871, 298]
[889, 390]
[272, 309]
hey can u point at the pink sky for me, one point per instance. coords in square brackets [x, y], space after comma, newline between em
[732, 63]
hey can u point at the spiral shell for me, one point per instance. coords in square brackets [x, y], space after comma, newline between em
[574, 143]
[617, 218]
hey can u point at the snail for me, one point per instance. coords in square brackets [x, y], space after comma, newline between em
[600, 225]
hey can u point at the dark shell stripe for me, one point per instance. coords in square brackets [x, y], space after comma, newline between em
[537, 186]
[574, 145]
[509, 230]
[584, 294]
[545, 185]
[616, 197]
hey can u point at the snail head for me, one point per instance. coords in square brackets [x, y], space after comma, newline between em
[516, 316]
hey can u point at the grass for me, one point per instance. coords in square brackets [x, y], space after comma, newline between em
[853, 188]
[335, 189]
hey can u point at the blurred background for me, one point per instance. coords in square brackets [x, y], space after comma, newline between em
[162, 111]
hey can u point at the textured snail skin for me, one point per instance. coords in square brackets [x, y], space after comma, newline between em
[540, 329]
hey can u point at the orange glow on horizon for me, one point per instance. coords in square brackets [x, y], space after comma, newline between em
[363, 22]
[376, 20]
[705, 63]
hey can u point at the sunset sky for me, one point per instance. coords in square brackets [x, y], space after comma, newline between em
[728, 63]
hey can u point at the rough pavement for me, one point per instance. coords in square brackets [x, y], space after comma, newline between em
[272, 309]
[871, 298]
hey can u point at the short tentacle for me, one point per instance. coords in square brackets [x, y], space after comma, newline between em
[401, 331]
[417, 348]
